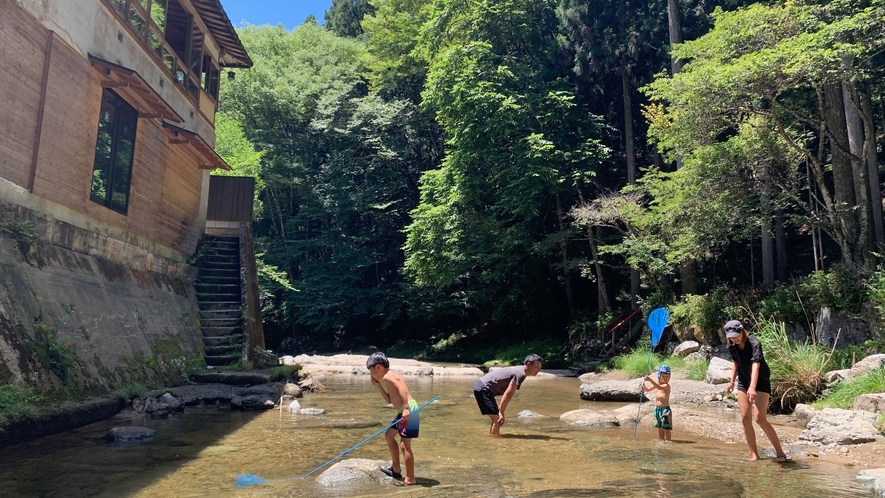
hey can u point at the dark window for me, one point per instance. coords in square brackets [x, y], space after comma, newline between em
[112, 170]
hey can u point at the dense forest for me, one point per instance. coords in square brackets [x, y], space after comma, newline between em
[527, 170]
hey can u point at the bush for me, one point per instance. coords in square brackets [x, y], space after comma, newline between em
[17, 403]
[709, 311]
[843, 393]
[837, 288]
[796, 369]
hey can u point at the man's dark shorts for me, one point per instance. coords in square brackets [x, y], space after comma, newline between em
[486, 401]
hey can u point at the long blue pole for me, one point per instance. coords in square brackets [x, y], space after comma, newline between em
[373, 436]
[641, 392]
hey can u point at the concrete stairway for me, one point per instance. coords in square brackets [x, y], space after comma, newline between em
[219, 296]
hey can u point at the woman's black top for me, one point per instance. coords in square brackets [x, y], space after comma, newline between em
[745, 358]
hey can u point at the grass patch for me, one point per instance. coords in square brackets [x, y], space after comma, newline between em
[843, 394]
[697, 370]
[131, 390]
[17, 403]
[796, 368]
[284, 372]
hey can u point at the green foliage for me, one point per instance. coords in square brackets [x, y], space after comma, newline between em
[697, 370]
[344, 16]
[709, 311]
[875, 291]
[796, 368]
[17, 403]
[56, 356]
[284, 372]
[838, 288]
[19, 230]
[844, 393]
[471, 349]
[131, 390]
[638, 361]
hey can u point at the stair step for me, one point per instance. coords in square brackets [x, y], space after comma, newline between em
[223, 340]
[217, 288]
[220, 331]
[219, 305]
[234, 349]
[220, 314]
[230, 279]
[220, 361]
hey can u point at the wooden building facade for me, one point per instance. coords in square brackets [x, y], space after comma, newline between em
[107, 112]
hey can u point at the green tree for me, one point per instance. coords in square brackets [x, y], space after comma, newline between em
[783, 63]
[344, 16]
[488, 228]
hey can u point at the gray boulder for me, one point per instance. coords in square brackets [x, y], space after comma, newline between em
[612, 390]
[130, 434]
[351, 472]
[527, 414]
[875, 478]
[833, 327]
[835, 426]
[719, 371]
[589, 418]
[252, 402]
[803, 414]
[870, 402]
[686, 348]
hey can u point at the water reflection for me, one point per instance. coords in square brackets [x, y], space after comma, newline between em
[200, 454]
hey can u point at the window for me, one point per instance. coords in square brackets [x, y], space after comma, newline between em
[170, 33]
[112, 170]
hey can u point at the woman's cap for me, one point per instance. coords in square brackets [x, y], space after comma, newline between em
[733, 329]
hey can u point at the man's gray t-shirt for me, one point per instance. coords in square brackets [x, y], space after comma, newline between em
[497, 380]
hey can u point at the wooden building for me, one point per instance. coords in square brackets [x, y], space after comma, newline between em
[107, 112]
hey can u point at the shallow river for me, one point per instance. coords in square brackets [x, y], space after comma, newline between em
[200, 453]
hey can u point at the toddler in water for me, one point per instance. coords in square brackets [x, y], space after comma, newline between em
[663, 414]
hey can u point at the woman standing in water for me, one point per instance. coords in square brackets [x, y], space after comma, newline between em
[753, 385]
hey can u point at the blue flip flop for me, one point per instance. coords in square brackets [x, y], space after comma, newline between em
[389, 471]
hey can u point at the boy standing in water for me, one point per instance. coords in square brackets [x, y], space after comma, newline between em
[393, 389]
[663, 414]
[502, 382]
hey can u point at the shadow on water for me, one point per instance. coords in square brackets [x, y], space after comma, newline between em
[200, 453]
[539, 437]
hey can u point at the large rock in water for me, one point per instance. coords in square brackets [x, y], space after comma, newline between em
[835, 426]
[130, 434]
[613, 390]
[351, 472]
[589, 418]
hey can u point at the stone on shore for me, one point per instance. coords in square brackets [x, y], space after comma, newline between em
[836, 426]
[589, 418]
[719, 371]
[686, 348]
[613, 390]
[803, 414]
[870, 402]
[352, 472]
[130, 434]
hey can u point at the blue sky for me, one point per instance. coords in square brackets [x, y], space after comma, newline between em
[289, 13]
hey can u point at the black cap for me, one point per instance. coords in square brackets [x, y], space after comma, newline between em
[733, 329]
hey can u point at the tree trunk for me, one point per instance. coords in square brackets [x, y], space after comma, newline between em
[563, 249]
[780, 245]
[843, 177]
[873, 171]
[767, 243]
[628, 126]
[675, 32]
[854, 129]
[603, 303]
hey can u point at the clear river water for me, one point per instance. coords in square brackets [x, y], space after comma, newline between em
[201, 452]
